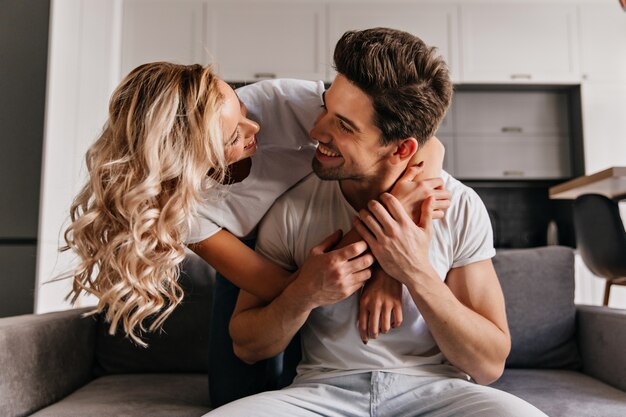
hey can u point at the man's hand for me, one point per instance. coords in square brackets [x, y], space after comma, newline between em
[399, 245]
[380, 305]
[411, 191]
[329, 276]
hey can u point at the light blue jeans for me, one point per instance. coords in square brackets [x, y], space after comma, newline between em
[381, 394]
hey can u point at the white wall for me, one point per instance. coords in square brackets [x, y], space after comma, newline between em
[83, 70]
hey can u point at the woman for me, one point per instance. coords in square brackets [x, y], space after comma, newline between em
[178, 162]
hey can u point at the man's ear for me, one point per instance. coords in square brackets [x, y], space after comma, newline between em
[405, 149]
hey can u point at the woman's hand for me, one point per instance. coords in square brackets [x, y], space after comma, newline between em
[380, 305]
[411, 190]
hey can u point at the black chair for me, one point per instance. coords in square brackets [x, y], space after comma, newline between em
[601, 239]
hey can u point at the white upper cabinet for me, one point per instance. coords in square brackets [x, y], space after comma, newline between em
[435, 24]
[154, 30]
[603, 41]
[512, 112]
[519, 43]
[512, 135]
[251, 41]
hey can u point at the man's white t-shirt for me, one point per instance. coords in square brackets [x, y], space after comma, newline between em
[331, 344]
[286, 111]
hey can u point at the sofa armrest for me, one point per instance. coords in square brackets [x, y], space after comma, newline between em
[601, 334]
[43, 358]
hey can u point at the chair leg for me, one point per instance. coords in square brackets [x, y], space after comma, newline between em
[607, 292]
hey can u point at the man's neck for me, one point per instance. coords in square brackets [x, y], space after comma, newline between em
[359, 192]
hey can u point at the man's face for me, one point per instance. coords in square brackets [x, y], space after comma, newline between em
[349, 146]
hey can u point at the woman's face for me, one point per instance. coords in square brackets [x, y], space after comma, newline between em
[239, 131]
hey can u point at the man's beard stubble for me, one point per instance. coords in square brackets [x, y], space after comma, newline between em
[338, 173]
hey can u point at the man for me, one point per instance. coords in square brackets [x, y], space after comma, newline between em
[390, 95]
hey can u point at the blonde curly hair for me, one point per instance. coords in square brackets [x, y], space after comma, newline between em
[147, 171]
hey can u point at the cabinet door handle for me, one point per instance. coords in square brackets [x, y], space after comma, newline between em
[513, 173]
[512, 129]
[259, 75]
[521, 76]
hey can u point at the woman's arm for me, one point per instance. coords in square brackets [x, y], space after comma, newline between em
[251, 271]
[242, 266]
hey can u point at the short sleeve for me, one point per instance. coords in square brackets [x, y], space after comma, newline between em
[274, 238]
[201, 228]
[473, 236]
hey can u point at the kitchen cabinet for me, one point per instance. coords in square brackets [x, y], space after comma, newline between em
[512, 135]
[602, 24]
[515, 112]
[154, 30]
[511, 157]
[519, 43]
[251, 41]
[435, 24]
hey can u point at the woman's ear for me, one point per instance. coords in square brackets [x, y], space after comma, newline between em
[405, 149]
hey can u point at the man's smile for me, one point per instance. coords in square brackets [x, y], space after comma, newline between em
[324, 150]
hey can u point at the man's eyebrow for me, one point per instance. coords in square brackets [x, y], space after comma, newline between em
[342, 118]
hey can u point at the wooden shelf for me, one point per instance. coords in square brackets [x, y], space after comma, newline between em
[611, 182]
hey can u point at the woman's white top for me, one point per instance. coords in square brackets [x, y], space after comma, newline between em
[286, 111]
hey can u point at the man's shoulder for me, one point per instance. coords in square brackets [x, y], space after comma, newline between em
[465, 202]
[458, 190]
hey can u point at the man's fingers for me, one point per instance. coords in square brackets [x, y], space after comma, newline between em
[362, 230]
[372, 221]
[328, 243]
[395, 208]
[383, 219]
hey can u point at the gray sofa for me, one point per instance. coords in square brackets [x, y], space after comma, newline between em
[567, 360]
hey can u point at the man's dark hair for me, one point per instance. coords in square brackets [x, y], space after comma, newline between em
[407, 80]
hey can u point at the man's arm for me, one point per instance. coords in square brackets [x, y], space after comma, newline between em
[465, 315]
[469, 324]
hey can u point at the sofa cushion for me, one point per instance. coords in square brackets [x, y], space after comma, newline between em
[153, 395]
[181, 346]
[563, 393]
[538, 286]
